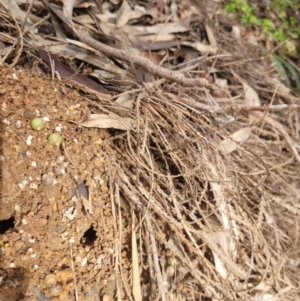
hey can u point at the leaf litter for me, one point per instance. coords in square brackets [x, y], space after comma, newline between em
[184, 137]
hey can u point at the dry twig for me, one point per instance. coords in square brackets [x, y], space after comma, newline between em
[172, 165]
[281, 129]
[177, 77]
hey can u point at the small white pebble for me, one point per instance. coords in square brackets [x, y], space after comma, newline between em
[33, 164]
[78, 258]
[4, 106]
[77, 106]
[105, 298]
[84, 262]
[46, 119]
[64, 235]
[28, 154]
[100, 258]
[12, 265]
[72, 240]
[22, 231]
[14, 76]
[24, 221]
[31, 240]
[33, 256]
[75, 140]
[35, 266]
[58, 128]
[111, 251]
[30, 250]
[23, 184]
[37, 113]
[59, 170]
[1, 158]
[18, 123]
[29, 139]
[74, 199]
[70, 213]
[61, 158]
[17, 208]
[33, 186]
[49, 178]
[6, 121]
[30, 178]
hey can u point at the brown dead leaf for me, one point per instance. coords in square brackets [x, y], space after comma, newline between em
[239, 136]
[14, 9]
[68, 8]
[123, 15]
[154, 57]
[112, 78]
[154, 42]
[86, 4]
[252, 99]
[162, 29]
[211, 37]
[105, 121]
[160, 6]
[203, 48]
[66, 73]
[84, 19]
[125, 100]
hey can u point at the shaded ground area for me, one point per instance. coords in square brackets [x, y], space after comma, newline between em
[44, 225]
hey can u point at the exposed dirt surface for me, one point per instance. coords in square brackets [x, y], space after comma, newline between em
[190, 189]
[46, 224]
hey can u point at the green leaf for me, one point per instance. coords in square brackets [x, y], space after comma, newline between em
[231, 8]
[295, 34]
[282, 14]
[279, 35]
[282, 71]
[292, 20]
[293, 73]
[253, 20]
[246, 8]
[266, 24]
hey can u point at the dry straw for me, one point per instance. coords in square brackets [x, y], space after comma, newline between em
[206, 182]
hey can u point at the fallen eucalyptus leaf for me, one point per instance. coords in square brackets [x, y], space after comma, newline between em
[239, 136]
[252, 99]
[105, 121]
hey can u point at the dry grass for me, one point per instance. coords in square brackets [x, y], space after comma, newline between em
[228, 224]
